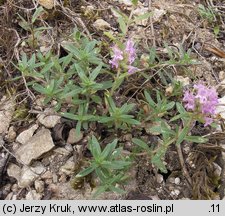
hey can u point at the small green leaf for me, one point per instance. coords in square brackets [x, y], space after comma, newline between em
[116, 153]
[102, 175]
[81, 73]
[66, 60]
[109, 35]
[90, 46]
[85, 172]
[180, 108]
[72, 93]
[118, 82]
[115, 164]
[179, 116]
[182, 134]
[47, 67]
[24, 24]
[96, 99]
[152, 55]
[116, 189]
[149, 99]
[95, 147]
[157, 159]
[170, 105]
[106, 85]
[126, 108]
[162, 128]
[111, 104]
[100, 190]
[70, 116]
[143, 16]
[37, 13]
[129, 120]
[122, 25]
[71, 48]
[95, 73]
[141, 143]
[159, 99]
[105, 119]
[39, 88]
[216, 30]
[196, 139]
[109, 149]
[158, 162]
[134, 2]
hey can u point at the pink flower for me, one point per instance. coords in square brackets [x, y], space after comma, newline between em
[208, 98]
[128, 55]
[132, 69]
[202, 99]
[117, 57]
[131, 52]
[208, 121]
[189, 98]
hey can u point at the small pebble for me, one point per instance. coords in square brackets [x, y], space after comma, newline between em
[159, 178]
[69, 147]
[9, 196]
[177, 181]
[39, 186]
[14, 188]
[47, 175]
[177, 192]
[171, 180]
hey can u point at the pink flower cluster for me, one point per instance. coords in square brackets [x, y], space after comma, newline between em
[202, 99]
[128, 54]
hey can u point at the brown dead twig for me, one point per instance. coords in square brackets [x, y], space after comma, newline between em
[11, 2]
[183, 166]
[151, 24]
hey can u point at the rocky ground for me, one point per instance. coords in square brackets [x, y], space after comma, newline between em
[40, 150]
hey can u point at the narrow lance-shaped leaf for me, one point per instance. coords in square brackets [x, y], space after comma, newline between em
[108, 149]
[115, 164]
[179, 116]
[78, 127]
[196, 139]
[39, 88]
[85, 172]
[170, 105]
[122, 25]
[95, 147]
[149, 99]
[81, 73]
[126, 108]
[66, 60]
[99, 191]
[37, 13]
[71, 48]
[157, 159]
[143, 16]
[182, 134]
[111, 104]
[141, 143]
[95, 73]
[70, 116]
[90, 46]
[152, 55]
[129, 120]
[180, 108]
[159, 100]
[116, 189]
